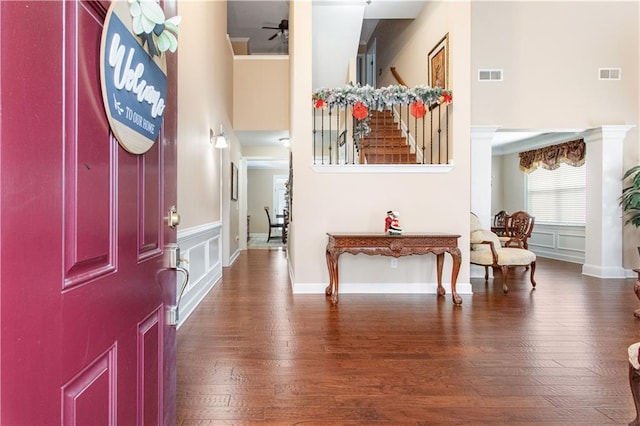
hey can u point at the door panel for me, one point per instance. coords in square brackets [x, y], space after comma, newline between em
[89, 398]
[150, 188]
[90, 168]
[150, 369]
[83, 286]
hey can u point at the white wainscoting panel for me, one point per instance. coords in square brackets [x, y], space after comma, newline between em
[201, 247]
[560, 242]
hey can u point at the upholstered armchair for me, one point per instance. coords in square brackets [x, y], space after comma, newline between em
[487, 251]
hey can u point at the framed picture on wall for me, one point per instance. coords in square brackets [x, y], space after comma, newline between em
[234, 182]
[438, 64]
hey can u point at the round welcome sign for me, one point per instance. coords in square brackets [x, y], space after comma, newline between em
[134, 83]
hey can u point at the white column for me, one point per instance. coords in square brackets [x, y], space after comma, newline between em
[603, 257]
[481, 138]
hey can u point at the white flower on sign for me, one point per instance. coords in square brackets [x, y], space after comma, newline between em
[150, 23]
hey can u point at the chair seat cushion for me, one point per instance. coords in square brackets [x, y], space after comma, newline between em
[506, 257]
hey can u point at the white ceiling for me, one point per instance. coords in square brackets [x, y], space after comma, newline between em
[507, 137]
[265, 139]
[262, 138]
[508, 141]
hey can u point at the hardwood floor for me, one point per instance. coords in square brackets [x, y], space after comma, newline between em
[254, 353]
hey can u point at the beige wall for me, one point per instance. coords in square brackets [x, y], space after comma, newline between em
[507, 184]
[205, 99]
[523, 38]
[513, 184]
[388, 48]
[203, 104]
[260, 194]
[261, 92]
[329, 201]
[240, 45]
[408, 51]
[261, 152]
[550, 53]
[497, 200]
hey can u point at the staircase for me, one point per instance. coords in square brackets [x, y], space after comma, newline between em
[337, 133]
[385, 144]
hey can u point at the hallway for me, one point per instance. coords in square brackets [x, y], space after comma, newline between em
[253, 353]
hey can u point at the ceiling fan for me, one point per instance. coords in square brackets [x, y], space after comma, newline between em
[283, 28]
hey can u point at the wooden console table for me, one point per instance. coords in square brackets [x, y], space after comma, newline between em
[396, 246]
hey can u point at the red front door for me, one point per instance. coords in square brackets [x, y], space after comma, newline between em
[83, 285]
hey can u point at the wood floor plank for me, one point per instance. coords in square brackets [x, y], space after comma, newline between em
[255, 354]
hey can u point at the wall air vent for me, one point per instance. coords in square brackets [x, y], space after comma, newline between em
[609, 73]
[489, 75]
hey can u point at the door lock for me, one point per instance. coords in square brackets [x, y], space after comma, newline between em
[173, 218]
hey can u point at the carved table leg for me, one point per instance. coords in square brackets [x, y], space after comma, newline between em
[439, 264]
[336, 283]
[329, 290]
[457, 259]
[332, 288]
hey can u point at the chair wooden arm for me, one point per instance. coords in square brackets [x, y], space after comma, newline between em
[494, 253]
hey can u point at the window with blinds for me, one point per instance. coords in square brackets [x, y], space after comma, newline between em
[558, 196]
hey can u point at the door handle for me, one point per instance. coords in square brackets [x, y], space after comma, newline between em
[173, 262]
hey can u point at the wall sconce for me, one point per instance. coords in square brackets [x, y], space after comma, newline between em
[220, 140]
[284, 142]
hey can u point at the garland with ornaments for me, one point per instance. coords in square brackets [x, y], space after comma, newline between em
[364, 98]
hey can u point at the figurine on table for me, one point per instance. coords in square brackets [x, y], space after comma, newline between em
[392, 224]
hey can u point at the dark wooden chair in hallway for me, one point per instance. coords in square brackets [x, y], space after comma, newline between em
[273, 226]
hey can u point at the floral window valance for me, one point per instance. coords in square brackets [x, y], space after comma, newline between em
[550, 157]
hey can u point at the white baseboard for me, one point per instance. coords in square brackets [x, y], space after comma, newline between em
[603, 271]
[234, 257]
